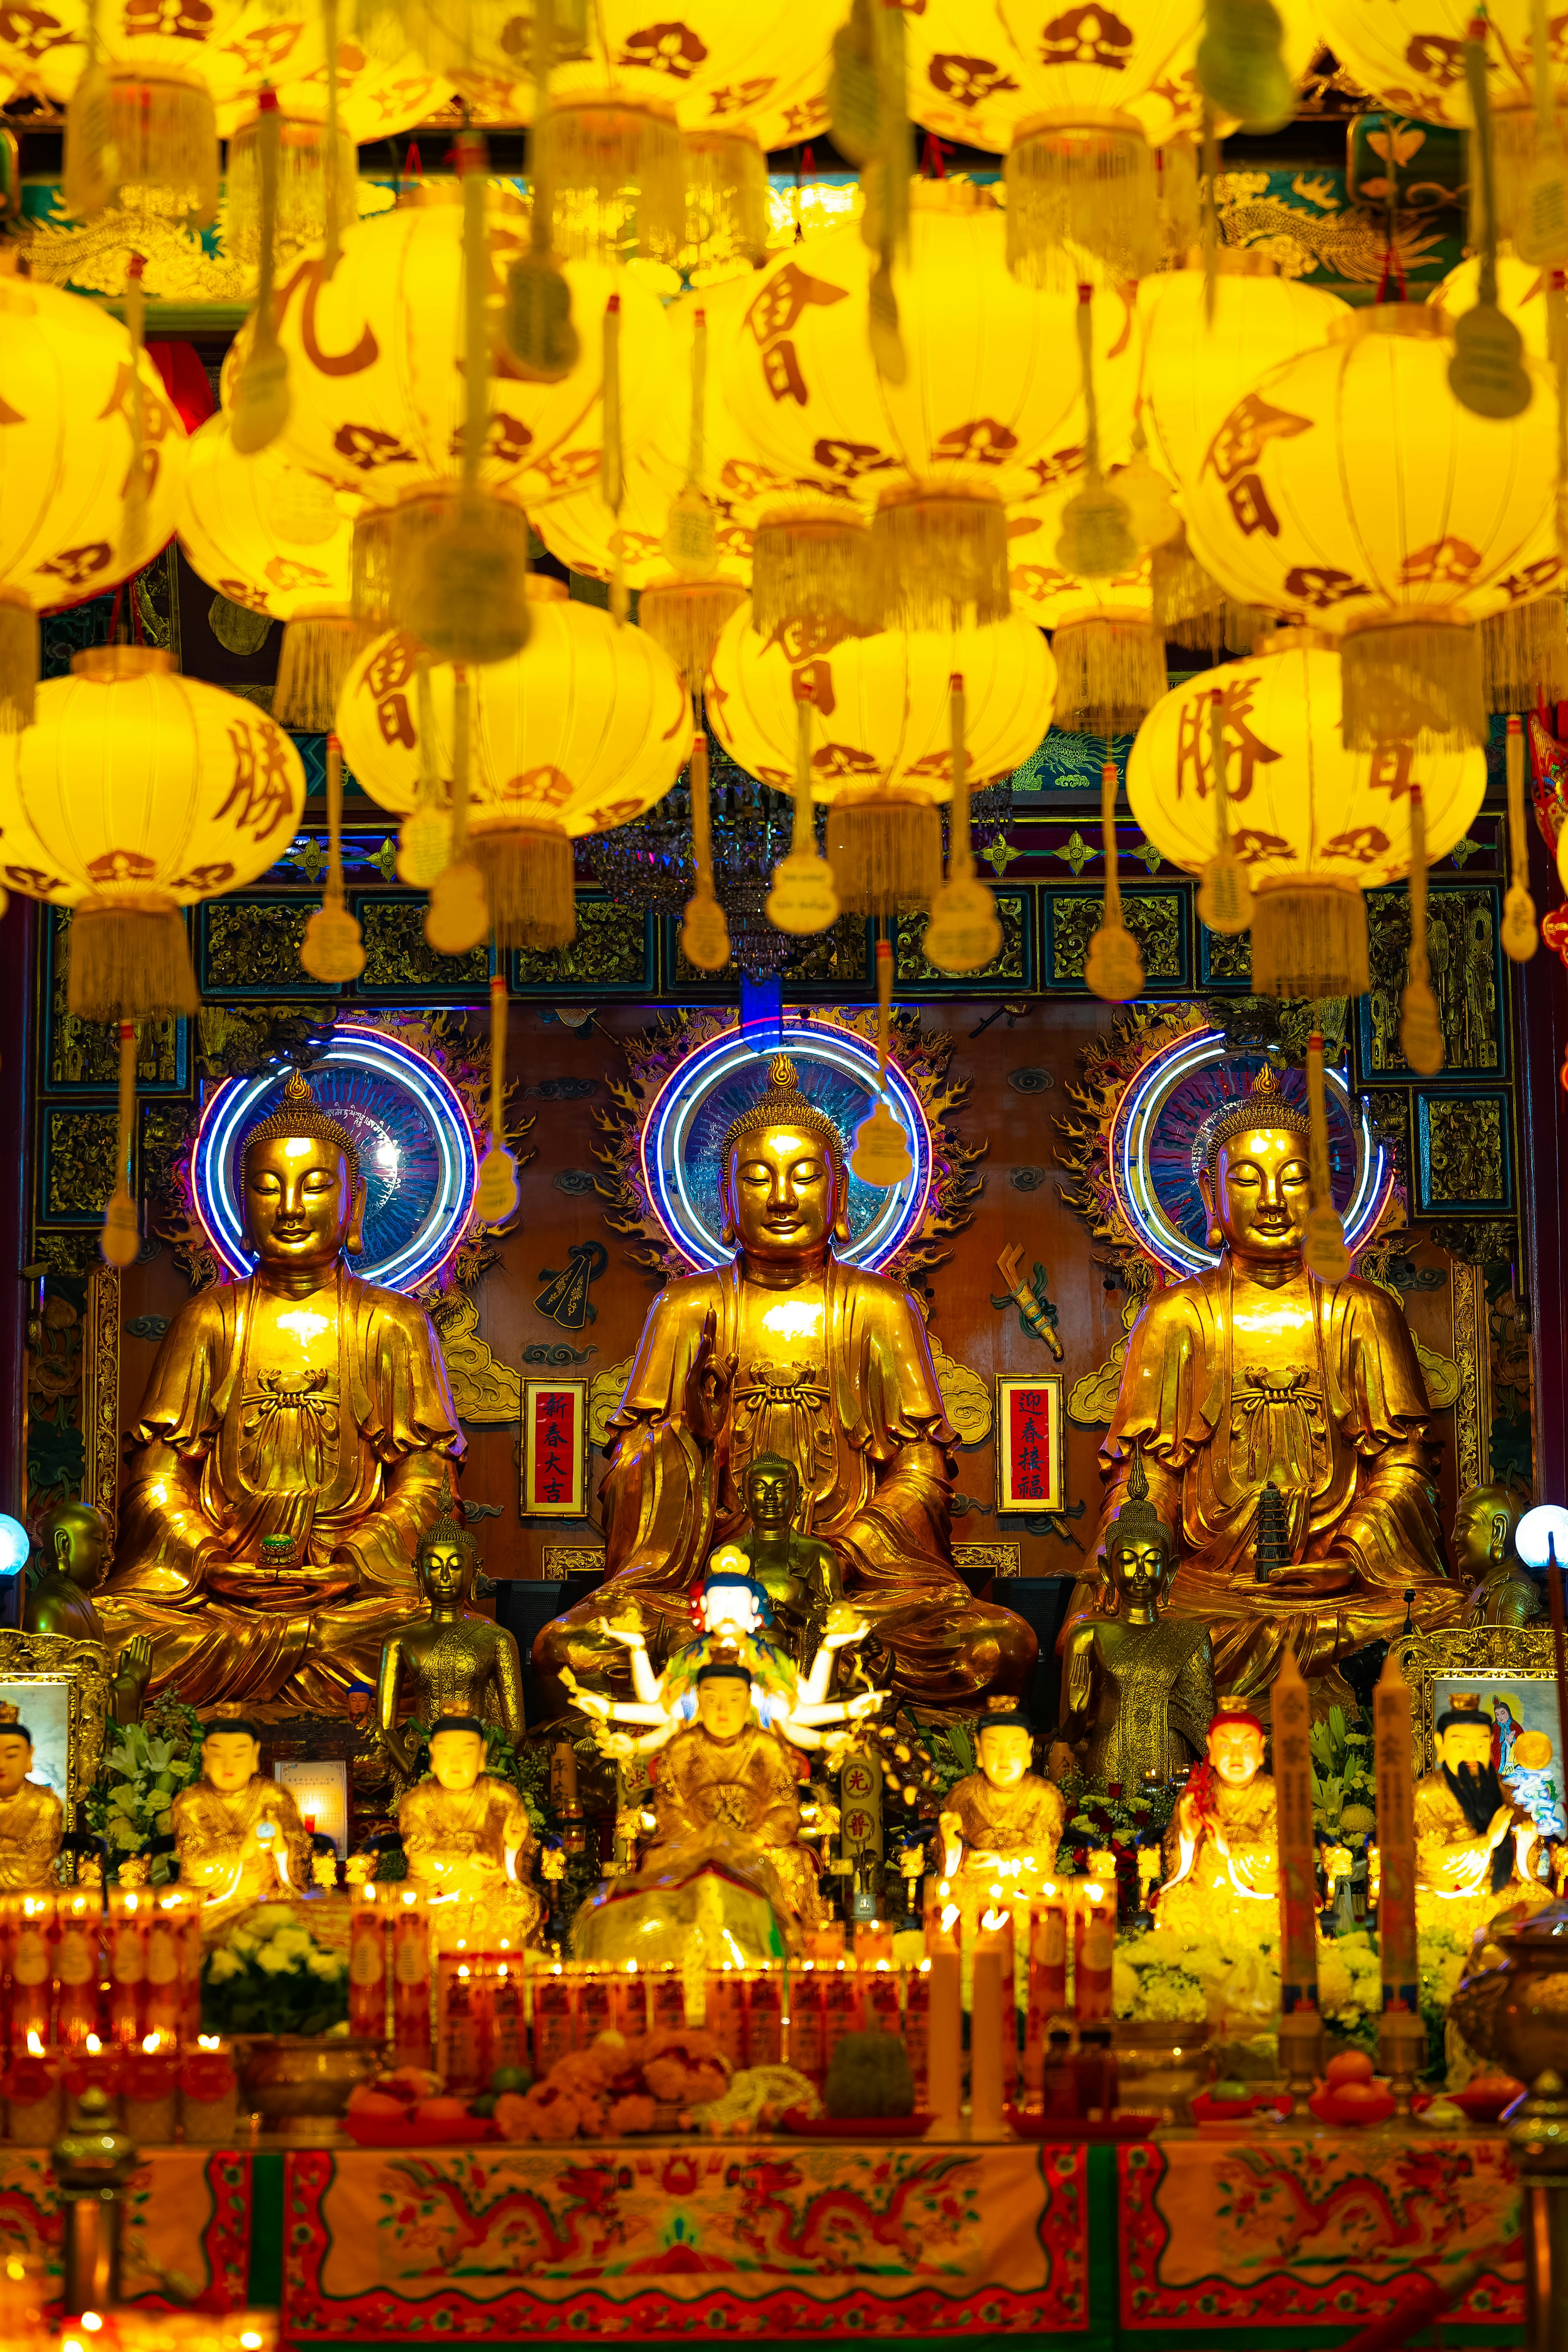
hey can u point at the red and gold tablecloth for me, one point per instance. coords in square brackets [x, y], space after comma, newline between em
[186, 2233]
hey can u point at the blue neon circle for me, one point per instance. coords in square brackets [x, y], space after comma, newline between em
[837, 1071]
[415, 1149]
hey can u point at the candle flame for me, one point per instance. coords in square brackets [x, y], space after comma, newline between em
[152, 2043]
[93, 2045]
[993, 1922]
[210, 2042]
[35, 2047]
[949, 1918]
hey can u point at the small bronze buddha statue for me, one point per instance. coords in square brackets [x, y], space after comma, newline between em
[74, 1540]
[32, 1819]
[1499, 1591]
[800, 1576]
[452, 1662]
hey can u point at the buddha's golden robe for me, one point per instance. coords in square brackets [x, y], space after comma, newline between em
[1453, 1865]
[1230, 1385]
[339, 1441]
[1023, 1820]
[32, 1824]
[1147, 1694]
[834, 1374]
[219, 1851]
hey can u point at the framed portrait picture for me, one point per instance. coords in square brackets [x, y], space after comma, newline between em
[1512, 1670]
[1031, 1468]
[61, 1690]
[554, 1449]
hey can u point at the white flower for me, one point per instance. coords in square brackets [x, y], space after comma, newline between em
[275, 1963]
[222, 1965]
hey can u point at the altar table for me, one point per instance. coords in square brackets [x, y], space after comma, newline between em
[1225, 2242]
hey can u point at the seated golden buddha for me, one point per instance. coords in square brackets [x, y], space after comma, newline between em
[468, 1841]
[791, 1351]
[238, 1835]
[1255, 1371]
[290, 1451]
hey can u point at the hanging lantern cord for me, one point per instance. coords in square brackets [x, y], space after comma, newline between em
[1521, 936]
[333, 254]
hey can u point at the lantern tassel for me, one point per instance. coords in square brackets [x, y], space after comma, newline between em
[880, 1155]
[331, 949]
[1557, 339]
[1189, 602]
[260, 405]
[1487, 374]
[1097, 539]
[1113, 966]
[316, 656]
[539, 330]
[1323, 1251]
[687, 617]
[885, 849]
[530, 885]
[1518, 933]
[121, 1240]
[965, 933]
[1310, 940]
[1080, 192]
[90, 162]
[802, 900]
[1420, 1030]
[424, 836]
[457, 916]
[130, 960]
[496, 1195]
[1524, 655]
[1111, 672]
[690, 539]
[726, 199]
[942, 554]
[614, 173]
[1225, 892]
[334, 249]
[1413, 682]
[809, 563]
[704, 934]
[133, 513]
[611, 469]
[18, 663]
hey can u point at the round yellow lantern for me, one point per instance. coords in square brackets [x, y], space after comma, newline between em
[1348, 488]
[881, 755]
[586, 729]
[137, 793]
[271, 538]
[66, 445]
[1314, 824]
[378, 95]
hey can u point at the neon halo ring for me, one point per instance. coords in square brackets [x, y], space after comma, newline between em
[408, 1123]
[1148, 1202]
[678, 1166]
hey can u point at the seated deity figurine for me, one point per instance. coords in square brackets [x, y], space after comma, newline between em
[1256, 1373]
[1138, 1683]
[1477, 1849]
[1004, 1811]
[469, 1841]
[1224, 1837]
[32, 1819]
[799, 1575]
[238, 1835]
[289, 1453]
[74, 1540]
[790, 1350]
[452, 1662]
[1501, 1590]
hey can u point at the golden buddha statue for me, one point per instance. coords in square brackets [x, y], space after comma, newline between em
[1140, 1685]
[469, 1841]
[32, 1819]
[74, 1540]
[788, 1349]
[454, 1662]
[799, 1574]
[237, 1834]
[1224, 1838]
[1255, 1372]
[1005, 1809]
[1477, 1849]
[1500, 1589]
[290, 1451]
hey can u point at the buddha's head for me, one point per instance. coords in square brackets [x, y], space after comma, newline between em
[447, 1554]
[74, 1538]
[785, 1191]
[1004, 1744]
[773, 1495]
[1253, 1172]
[1138, 1551]
[1235, 1744]
[456, 1752]
[723, 1701]
[1484, 1524]
[304, 1197]
[231, 1753]
[16, 1752]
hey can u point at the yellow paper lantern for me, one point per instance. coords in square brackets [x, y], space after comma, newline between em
[882, 756]
[1315, 826]
[1348, 488]
[378, 95]
[65, 463]
[137, 793]
[586, 730]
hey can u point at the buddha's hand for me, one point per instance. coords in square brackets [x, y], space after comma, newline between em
[951, 1828]
[865, 1703]
[593, 1703]
[843, 1625]
[625, 1628]
[135, 1661]
[705, 1403]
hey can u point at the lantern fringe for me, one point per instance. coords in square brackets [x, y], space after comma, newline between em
[163, 130]
[369, 570]
[1244, 623]
[1189, 602]
[1413, 681]
[317, 653]
[1082, 202]
[885, 850]
[1308, 939]
[1524, 655]
[1515, 142]
[942, 558]
[615, 169]
[687, 618]
[726, 200]
[528, 875]
[303, 148]
[129, 962]
[1111, 672]
[18, 665]
[458, 571]
[814, 566]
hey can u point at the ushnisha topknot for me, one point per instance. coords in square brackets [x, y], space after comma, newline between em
[451, 1523]
[1265, 1105]
[301, 1114]
[1138, 1521]
[782, 1104]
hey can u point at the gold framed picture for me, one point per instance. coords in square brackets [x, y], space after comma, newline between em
[61, 1689]
[1031, 1464]
[1512, 1671]
[554, 1449]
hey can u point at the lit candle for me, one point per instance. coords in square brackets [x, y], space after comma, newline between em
[985, 2041]
[411, 1982]
[1394, 1752]
[1094, 1951]
[944, 2037]
[367, 1965]
[1047, 1987]
[994, 1933]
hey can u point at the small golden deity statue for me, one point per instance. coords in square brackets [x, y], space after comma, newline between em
[1477, 1849]
[789, 1349]
[469, 1841]
[289, 1453]
[452, 1662]
[1004, 1811]
[1500, 1590]
[237, 1834]
[1140, 1684]
[1255, 1372]
[1224, 1837]
[32, 1819]
[74, 1538]
[800, 1576]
